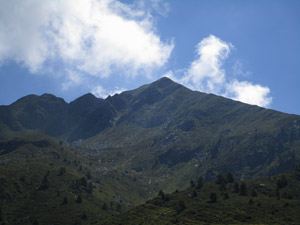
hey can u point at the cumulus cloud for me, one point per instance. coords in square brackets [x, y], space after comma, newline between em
[249, 93]
[206, 74]
[101, 92]
[95, 37]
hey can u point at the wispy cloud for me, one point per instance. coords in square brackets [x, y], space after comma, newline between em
[206, 74]
[101, 92]
[238, 69]
[93, 37]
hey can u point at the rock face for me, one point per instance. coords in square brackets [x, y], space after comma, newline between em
[166, 127]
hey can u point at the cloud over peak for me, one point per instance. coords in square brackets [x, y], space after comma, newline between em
[206, 74]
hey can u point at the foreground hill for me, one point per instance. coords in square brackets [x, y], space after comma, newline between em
[163, 134]
[44, 182]
[270, 200]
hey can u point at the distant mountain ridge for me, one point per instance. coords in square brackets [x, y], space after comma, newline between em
[163, 125]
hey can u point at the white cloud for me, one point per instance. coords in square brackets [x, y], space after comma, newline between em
[249, 93]
[73, 78]
[101, 92]
[238, 69]
[90, 36]
[206, 74]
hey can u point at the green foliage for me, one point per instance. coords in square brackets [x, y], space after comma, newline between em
[200, 182]
[79, 199]
[243, 189]
[230, 178]
[226, 196]
[62, 171]
[192, 184]
[104, 206]
[236, 188]
[213, 197]
[282, 182]
[236, 209]
[180, 206]
[253, 193]
[161, 194]
[65, 201]
[221, 179]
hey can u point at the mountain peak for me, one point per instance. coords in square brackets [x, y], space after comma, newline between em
[164, 81]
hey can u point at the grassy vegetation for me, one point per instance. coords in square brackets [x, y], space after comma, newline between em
[261, 201]
[43, 181]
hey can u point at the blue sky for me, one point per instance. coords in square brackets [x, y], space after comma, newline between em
[244, 50]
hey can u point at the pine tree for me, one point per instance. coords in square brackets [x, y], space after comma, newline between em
[104, 206]
[65, 201]
[226, 196]
[194, 194]
[221, 179]
[62, 171]
[79, 199]
[236, 187]
[161, 194]
[192, 183]
[282, 182]
[213, 197]
[119, 208]
[243, 189]
[180, 206]
[200, 182]
[230, 178]
[253, 193]
[88, 175]
[90, 187]
[84, 216]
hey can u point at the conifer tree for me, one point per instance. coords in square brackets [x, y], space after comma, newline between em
[243, 189]
[200, 182]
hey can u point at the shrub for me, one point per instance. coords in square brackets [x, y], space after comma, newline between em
[230, 178]
[161, 194]
[243, 189]
[104, 206]
[194, 194]
[213, 197]
[200, 182]
[236, 187]
[180, 206]
[65, 201]
[282, 182]
[253, 193]
[192, 183]
[79, 199]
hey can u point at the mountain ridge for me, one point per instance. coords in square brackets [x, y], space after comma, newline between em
[172, 124]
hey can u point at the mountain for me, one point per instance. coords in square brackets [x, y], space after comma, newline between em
[116, 153]
[270, 200]
[164, 133]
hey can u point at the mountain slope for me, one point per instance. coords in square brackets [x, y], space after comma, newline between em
[43, 181]
[162, 131]
[270, 200]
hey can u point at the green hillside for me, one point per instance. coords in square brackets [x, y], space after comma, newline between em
[118, 152]
[270, 200]
[42, 180]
